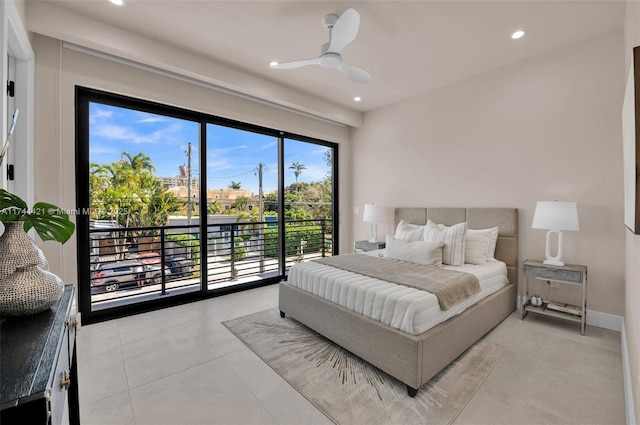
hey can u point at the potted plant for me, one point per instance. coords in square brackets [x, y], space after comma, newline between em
[26, 284]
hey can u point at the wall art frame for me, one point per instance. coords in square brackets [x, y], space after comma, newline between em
[631, 144]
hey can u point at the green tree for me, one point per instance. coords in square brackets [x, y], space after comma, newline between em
[128, 191]
[214, 207]
[271, 202]
[235, 185]
[241, 203]
[297, 169]
[138, 162]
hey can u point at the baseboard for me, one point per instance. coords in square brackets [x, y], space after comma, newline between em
[595, 318]
[626, 376]
[604, 320]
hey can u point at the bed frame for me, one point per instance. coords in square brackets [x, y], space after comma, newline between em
[415, 359]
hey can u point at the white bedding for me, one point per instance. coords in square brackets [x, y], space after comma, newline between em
[407, 309]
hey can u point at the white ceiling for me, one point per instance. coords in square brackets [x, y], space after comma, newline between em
[408, 47]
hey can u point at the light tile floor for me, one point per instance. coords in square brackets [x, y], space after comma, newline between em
[180, 365]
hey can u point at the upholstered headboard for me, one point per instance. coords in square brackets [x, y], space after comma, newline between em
[506, 219]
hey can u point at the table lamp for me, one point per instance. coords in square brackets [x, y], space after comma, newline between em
[555, 216]
[372, 214]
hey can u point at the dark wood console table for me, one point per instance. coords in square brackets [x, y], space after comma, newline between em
[38, 371]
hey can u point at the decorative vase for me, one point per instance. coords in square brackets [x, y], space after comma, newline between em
[26, 284]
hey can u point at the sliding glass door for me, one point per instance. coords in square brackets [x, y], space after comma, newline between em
[308, 201]
[241, 175]
[178, 205]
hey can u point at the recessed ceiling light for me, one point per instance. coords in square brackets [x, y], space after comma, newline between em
[117, 2]
[274, 63]
[357, 99]
[518, 34]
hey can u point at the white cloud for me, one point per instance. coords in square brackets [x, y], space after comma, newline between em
[98, 149]
[99, 114]
[110, 131]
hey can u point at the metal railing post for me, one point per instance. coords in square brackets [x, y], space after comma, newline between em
[163, 283]
[323, 225]
[233, 252]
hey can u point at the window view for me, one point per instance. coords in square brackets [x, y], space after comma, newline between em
[177, 206]
[308, 201]
[143, 190]
[242, 170]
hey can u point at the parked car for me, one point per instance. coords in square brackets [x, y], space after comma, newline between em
[148, 257]
[113, 275]
[180, 266]
[154, 273]
[152, 266]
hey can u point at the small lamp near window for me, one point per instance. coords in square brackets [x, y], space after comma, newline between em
[555, 216]
[372, 214]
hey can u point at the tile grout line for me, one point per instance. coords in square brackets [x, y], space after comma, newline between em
[133, 415]
[266, 409]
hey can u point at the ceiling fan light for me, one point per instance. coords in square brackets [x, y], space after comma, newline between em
[517, 34]
[330, 60]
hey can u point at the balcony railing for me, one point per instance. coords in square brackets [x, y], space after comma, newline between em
[136, 261]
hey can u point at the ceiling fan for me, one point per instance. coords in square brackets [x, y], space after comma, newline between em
[342, 31]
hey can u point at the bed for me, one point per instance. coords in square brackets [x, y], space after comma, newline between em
[415, 358]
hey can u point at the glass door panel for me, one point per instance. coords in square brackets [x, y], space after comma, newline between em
[308, 201]
[143, 197]
[242, 206]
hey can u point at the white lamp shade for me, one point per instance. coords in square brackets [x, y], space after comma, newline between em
[554, 215]
[372, 213]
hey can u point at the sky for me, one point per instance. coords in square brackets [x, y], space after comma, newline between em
[232, 155]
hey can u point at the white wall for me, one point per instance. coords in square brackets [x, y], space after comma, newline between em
[542, 129]
[15, 44]
[632, 266]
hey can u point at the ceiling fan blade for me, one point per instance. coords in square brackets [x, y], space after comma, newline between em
[355, 73]
[344, 31]
[296, 64]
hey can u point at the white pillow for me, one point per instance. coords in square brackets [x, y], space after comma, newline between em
[476, 249]
[493, 240]
[421, 252]
[409, 232]
[492, 234]
[454, 240]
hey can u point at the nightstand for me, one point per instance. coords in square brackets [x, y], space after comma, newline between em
[364, 246]
[564, 275]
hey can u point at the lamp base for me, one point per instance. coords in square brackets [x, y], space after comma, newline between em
[373, 232]
[550, 259]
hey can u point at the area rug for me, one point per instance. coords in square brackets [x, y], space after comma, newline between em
[351, 391]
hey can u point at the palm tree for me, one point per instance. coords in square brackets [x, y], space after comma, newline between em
[297, 167]
[241, 203]
[235, 185]
[138, 162]
[128, 191]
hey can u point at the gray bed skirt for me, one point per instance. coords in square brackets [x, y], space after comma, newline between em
[414, 359]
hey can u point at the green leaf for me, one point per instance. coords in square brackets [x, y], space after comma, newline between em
[50, 222]
[12, 207]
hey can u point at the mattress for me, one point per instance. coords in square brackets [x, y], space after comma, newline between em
[407, 309]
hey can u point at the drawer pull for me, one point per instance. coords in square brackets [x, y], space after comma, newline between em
[66, 380]
[48, 402]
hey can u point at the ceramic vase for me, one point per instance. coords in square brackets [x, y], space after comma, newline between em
[26, 284]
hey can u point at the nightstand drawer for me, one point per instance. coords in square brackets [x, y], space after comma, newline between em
[555, 274]
[368, 246]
